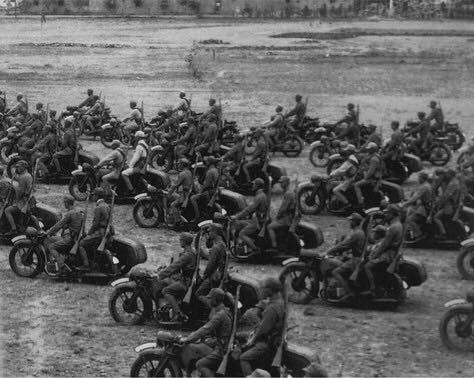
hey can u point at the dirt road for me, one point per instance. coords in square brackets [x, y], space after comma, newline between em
[53, 328]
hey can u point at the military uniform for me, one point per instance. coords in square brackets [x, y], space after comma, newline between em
[258, 158]
[94, 114]
[89, 101]
[46, 148]
[214, 271]
[209, 139]
[137, 163]
[353, 243]
[259, 210]
[208, 186]
[299, 111]
[71, 223]
[185, 182]
[372, 166]
[117, 160]
[68, 147]
[388, 248]
[448, 203]
[133, 121]
[235, 156]
[186, 142]
[267, 336]
[436, 115]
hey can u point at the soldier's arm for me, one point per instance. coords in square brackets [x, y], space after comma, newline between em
[269, 319]
[62, 223]
[175, 266]
[284, 205]
[107, 159]
[206, 329]
[95, 221]
[292, 112]
[212, 263]
[387, 240]
[342, 246]
[371, 170]
[250, 209]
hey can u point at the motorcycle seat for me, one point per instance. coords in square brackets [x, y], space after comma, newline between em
[309, 253]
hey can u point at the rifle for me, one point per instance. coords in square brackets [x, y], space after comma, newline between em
[297, 214]
[75, 247]
[30, 195]
[224, 272]
[189, 293]
[186, 200]
[304, 114]
[261, 233]
[393, 265]
[47, 114]
[26, 103]
[216, 191]
[101, 246]
[7, 199]
[220, 120]
[356, 272]
[223, 366]
[279, 353]
[102, 111]
[242, 160]
[142, 125]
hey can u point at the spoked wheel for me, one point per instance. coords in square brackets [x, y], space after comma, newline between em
[456, 328]
[147, 364]
[440, 155]
[127, 309]
[161, 161]
[333, 165]
[465, 263]
[26, 261]
[292, 146]
[319, 156]
[107, 136]
[79, 186]
[455, 139]
[310, 201]
[302, 284]
[147, 213]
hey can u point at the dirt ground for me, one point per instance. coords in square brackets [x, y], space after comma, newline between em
[391, 69]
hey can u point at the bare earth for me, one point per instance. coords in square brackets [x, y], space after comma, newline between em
[53, 328]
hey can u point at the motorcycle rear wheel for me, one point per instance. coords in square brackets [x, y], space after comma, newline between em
[128, 313]
[147, 214]
[300, 291]
[23, 265]
[310, 203]
[147, 363]
[107, 136]
[456, 139]
[461, 336]
[79, 189]
[292, 146]
[465, 263]
[319, 157]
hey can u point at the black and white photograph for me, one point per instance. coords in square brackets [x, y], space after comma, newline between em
[236, 188]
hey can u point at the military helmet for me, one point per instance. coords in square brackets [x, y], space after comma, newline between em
[217, 294]
[186, 237]
[259, 183]
[273, 284]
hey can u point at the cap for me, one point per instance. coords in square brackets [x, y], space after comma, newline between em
[210, 160]
[284, 179]
[394, 209]
[140, 134]
[279, 108]
[22, 163]
[68, 198]
[217, 294]
[355, 216]
[258, 182]
[257, 373]
[371, 146]
[186, 237]
[115, 143]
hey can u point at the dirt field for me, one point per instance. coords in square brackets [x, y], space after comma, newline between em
[391, 69]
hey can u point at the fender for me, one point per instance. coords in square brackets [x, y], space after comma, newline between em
[17, 239]
[373, 210]
[460, 151]
[142, 197]
[3, 140]
[22, 239]
[14, 155]
[157, 148]
[292, 260]
[120, 281]
[205, 223]
[316, 144]
[107, 126]
[455, 302]
[78, 172]
[147, 347]
[467, 243]
[320, 129]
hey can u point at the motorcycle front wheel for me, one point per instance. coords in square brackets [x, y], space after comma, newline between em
[319, 156]
[107, 136]
[456, 139]
[26, 261]
[126, 310]
[147, 363]
[147, 214]
[310, 201]
[161, 161]
[456, 330]
[465, 263]
[302, 285]
[79, 186]
[440, 155]
[292, 146]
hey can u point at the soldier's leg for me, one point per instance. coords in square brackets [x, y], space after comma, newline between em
[341, 273]
[247, 234]
[89, 122]
[203, 290]
[369, 268]
[172, 294]
[438, 220]
[194, 201]
[59, 249]
[108, 179]
[9, 212]
[254, 357]
[90, 242]
[246, 167]
[208, 365]
[126, 178]
[358, 191]
[272, 233]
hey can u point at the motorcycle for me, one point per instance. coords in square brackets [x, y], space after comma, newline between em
[309, 277]
[456, 230]
[290, 244]
[31, 256]
[452, 131]
[228, 132]
[170, 357]
[322, 150]
[457, 324]
[396, 171]
[438, 152]
[109, 133]
[465, 260]
[40, 216]
[131, 301]
[87, 178]
[152, 208]
[316, 195]
[289, 143]
[66, 163]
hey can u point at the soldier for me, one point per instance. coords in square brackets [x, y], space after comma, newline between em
[393, 149]
[93, 115]
[177, 277]
[68, 145]
[286, 212]
[41, 112]
[5, 188]
[45, 148]
[116, 160]
[353, 243]
[185, 182]
[236, 154]
[139, 160]
[388, 248]
[276, 125]
[348, 171]
[423, 130]
[134, 120]
[267, 336]
[259, 156]
[214, 109]
[351, 116]
[258, 210]
[185, 144]
[419, 205]
[183, 105]
[3, 104]
[208, 186]
[23, 185]
[299, 111]
[448, 202]
[214, 272]
[20, 110]
[436, 114]
[71, 224]
[219, 327]
[89, 101]
[97, 230]
[209, 137]
[372, 168]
